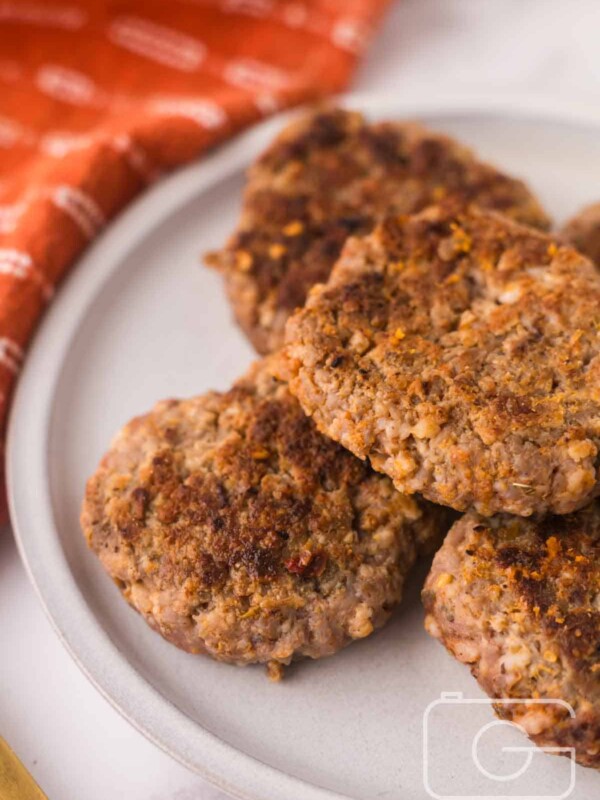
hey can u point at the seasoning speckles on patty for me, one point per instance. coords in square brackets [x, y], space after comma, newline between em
[460, 353]
[330, 175]
[519, 601]
[238, 530]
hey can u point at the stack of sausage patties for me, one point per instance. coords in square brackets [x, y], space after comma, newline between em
[432, 351]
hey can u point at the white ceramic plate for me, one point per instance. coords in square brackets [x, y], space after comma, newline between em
[140, 319]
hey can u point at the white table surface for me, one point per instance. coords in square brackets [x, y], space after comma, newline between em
[74, 743]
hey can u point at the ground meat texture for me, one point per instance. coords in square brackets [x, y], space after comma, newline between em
[331, 175]
[459, 352]
[583, 232]
[519, 601]
[236, 529]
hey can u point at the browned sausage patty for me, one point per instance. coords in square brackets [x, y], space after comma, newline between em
[460, 353]
[327, 176]
[583, 232]
[519, 601]
[238, 530]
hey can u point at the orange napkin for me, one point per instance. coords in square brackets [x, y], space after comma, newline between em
[98, 98]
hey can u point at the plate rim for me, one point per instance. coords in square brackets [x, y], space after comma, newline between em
[231, 770]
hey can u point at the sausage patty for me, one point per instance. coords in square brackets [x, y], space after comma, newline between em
[460, 352]
[583, 232]
[519, 601]
[327, 176]
[238, 530]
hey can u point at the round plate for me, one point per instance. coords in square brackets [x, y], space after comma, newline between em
[140, 319]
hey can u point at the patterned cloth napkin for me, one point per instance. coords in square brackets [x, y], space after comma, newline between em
[98, 98]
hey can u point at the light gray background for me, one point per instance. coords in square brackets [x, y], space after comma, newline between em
[74, 743]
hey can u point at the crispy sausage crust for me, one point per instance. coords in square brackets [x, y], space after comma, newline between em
[236, 529]
[330, 175]
[460, 353]
[519, 601]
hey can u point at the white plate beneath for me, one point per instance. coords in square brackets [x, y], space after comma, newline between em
[140, 319]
